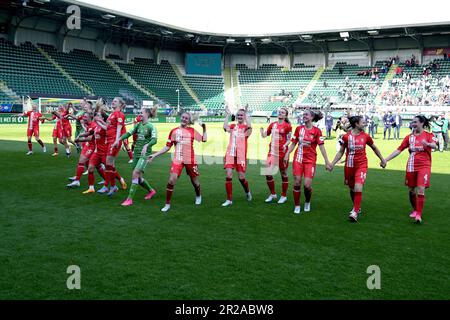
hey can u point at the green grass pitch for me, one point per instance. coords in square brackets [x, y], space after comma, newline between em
[248, 251]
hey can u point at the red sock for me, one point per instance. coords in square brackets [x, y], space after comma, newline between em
[109, 175]
[284, 186]
[229, 188]
[101, 172]
[420, 201]
[30, 146]
[270, 184]
[296, 193]
[308, 194]
[357, 203]
[41, 143]
[412, 199]
[244, 184]
[130, 154]
[80, 170]
[117, 175]
[91, 179]
[169, 192]
[112, 176]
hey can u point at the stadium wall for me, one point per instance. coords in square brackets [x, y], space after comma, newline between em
[314, 59]
[247, 59]
[404, 54]
[361, 58]
[136, 52]
[278, 59]
[175, 57]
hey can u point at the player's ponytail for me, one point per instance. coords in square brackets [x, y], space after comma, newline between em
[354, 120]
[424, 121]
[316, 116]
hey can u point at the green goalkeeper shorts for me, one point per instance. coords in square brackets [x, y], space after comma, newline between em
[139, 164]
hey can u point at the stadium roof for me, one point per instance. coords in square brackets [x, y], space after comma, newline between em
[280, 17]
[115, 26]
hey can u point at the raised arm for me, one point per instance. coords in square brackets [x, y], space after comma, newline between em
[204, 135]
[128, 134]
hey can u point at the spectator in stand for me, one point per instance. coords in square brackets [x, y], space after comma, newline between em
[341, 70]
[397, 125]
[329, 124]
[388, 121]
[444, 119]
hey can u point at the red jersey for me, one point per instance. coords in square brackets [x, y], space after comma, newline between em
[101, 144]
[183, 139]
[33, 119]
[115, 119]
[280, 133]
[91, 129]
[419, 155]
[58, 122]
[237, 147]
[308, 140]
[64, 121]
[356, 149]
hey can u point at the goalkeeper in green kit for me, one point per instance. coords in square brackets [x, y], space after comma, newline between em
[146, 138]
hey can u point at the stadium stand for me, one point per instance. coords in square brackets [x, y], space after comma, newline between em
[210, 90]
[347, 83]
[262, 89]
[160, 79]
[25, 71]
[103, 80]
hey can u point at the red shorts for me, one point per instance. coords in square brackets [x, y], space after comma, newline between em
[304, 169]
[56, 133]
[66, 132]
[355, 175]
[233, 163]
[135, 137]
[33, 132]
[87, 152]
[113, 152]
[419, 178]
[273, 161]
[97, 159]
[191, 169]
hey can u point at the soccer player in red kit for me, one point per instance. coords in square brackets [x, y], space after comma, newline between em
[56, 133]
[66, 127]
[353, 143]
[281, 131]
[34, 117]
[236, 154]
[419, 143]
[98, 157]
[182, 138]
[88, 148]
[308, 137]
[115, 123]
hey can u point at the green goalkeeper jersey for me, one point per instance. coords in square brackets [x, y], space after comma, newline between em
[146, 135]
